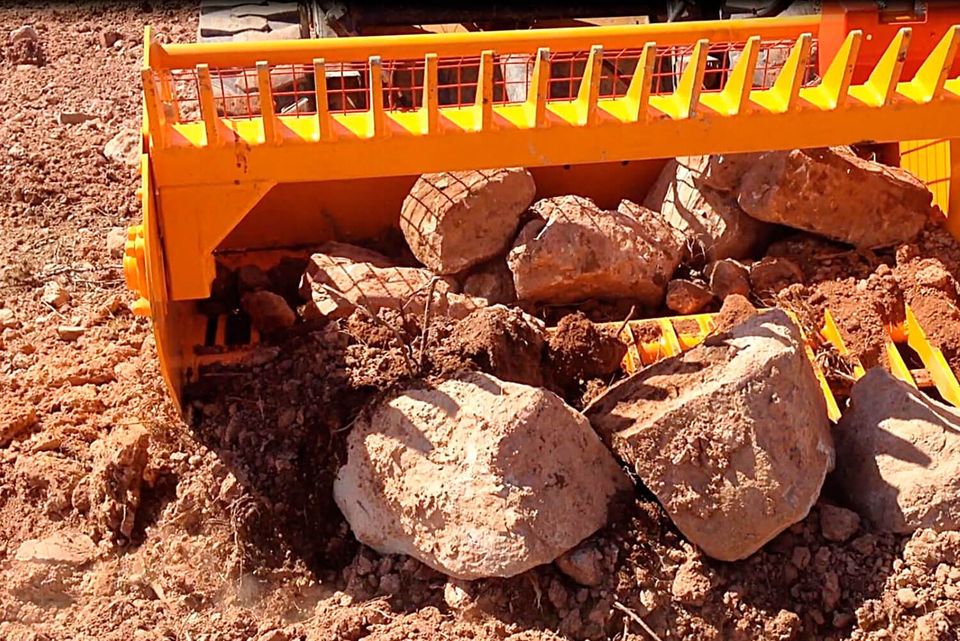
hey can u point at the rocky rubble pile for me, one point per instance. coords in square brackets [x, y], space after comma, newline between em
[496, 445]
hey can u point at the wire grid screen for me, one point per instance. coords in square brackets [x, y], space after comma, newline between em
[294, 87]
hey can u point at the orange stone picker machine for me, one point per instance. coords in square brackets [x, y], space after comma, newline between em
[230, 177]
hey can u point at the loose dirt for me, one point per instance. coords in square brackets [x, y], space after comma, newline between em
[235, 535]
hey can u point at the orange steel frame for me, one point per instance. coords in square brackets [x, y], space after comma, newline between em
[206, 181]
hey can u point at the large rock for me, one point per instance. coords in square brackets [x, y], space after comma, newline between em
[476, 477]
[835, 193]
[710, 219]
[898, 456]
[454, 220]
[336, 285]
[732, 436]
[577, 251]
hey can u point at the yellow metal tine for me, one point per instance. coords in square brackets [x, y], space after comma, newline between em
[484, 102]
[831, 333]
[737, 90]
[268, 113]
[691, 81]
[638, 93]
[589, 91]
[154, 107]
[324, 130]
[882, 83]
[431, 95]
[933, 359]
[932, 74]
[208, 105]
[377, 116]
[669, 337]
[836, 81]
[786, 88]
[833, 410]
[897, 365]
[633, 360]
[539, 88]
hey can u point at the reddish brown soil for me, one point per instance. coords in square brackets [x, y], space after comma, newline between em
[234, 535]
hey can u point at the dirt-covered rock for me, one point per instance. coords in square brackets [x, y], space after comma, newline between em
[576, 251]
[898, 456]
[705, 432]
[336, 286]
[728, 277]
[835, 193]
[268, 312]
[772, 273]
[476, 477]
[579, 350]
[16, 417]
[710, 220]
[454, 220]
[119, 461]
[838, 523]
[687, 297]
[502, 341]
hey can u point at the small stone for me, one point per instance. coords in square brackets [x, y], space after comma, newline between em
[686, 297]
[116, 242]
[728, 277]
[837, 523]
[8, 320]
[58, 549]
[583, 564]
[691, 585]
[69, 333]
[801, 557]
[109, 38]
[26, 32]
[458, 596]
[268, 312]
[125, 148]
[390, 584]
[55, 295]
[907, 598]
[73, 117]
[15, 418]
[251, 278]
[831, 591]
[771, 274]
[842, 619]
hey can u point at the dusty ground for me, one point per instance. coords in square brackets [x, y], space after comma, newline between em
[235, 535]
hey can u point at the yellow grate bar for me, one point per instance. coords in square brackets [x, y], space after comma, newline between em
[831, 334]
[389, 140]
[940, 373]
[833, 409]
